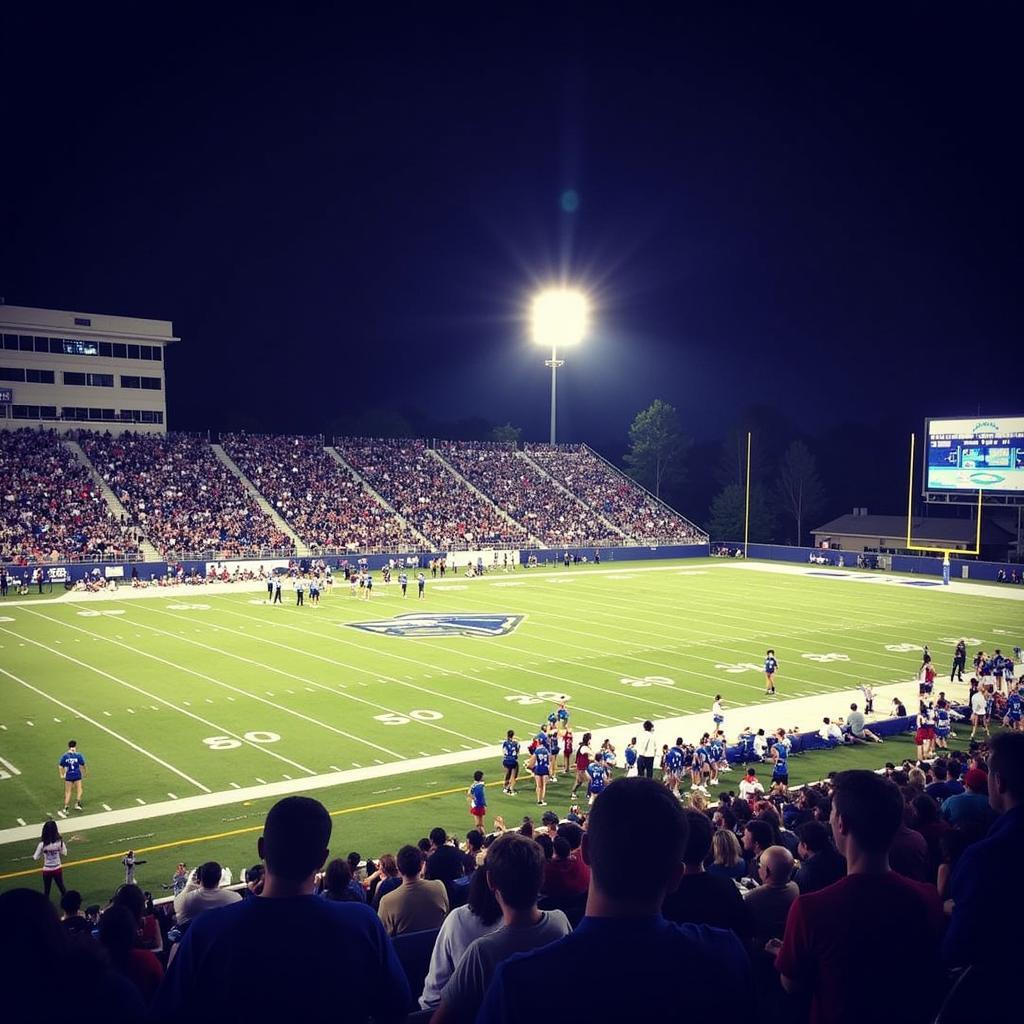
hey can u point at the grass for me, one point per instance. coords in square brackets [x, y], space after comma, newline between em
[215, 690]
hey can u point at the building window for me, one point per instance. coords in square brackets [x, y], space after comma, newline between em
[120, 351]
[74, 347]
[25, 412]
[57, 346]
[39, 376]
[12, 373]
[130, 382]
[74, 379]
[27, 344]
[133, 351]
[150, 383]
[105, 349]
[42, 344]
[100, 380]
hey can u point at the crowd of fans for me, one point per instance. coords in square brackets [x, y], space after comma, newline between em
[185, 500]
[316, 495]
[428, 495]
[625, 505]
[517, 487]
[793, 901]
[51, 508]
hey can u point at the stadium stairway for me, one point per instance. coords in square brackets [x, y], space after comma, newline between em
[301, 547]
[483, 497]
[558, 483]
[149, 552]
[657, 501]
[421, 537]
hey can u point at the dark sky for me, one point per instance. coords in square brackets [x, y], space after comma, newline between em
[815, 208]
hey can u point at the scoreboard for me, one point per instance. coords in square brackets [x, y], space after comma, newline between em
[976, 454]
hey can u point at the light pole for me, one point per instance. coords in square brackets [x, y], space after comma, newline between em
[558, 316]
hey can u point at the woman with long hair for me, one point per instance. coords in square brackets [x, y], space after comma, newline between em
[384, 879]
[727, 855]
[582, 764]
[51, 848]
[480, 916]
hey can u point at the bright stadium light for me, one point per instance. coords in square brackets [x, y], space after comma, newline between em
[558, 316]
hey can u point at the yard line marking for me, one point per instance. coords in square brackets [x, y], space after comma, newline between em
[187, 704]
[107, 713]
[423, 753]
[334, 768]
[201, 675]
[139, 800]
[234, 785]
[172, 796]
[355, 765]
[262, 781]
[20, 821]
[32, 723]
[287, 776]
[131, 711]
[105, 807]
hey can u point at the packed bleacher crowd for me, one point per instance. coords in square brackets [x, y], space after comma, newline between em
[428, 495]
[185, 500]
[548, 512]
[323, 502]
[625, 505]
[797, 902]
[50, 508]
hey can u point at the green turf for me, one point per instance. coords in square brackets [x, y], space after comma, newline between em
[146, 692]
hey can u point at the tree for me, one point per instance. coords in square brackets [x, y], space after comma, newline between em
[507, 433]
[800, 491]
[725, 520]
[657, 447]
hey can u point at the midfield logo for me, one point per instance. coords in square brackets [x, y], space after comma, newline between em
[430, 624]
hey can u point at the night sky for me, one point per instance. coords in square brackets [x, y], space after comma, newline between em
[780, 207]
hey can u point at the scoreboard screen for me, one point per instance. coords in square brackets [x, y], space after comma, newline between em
[977, 454]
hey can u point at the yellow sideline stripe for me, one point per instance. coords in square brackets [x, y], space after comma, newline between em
[240, 831]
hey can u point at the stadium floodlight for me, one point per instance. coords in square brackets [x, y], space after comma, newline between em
[558, 316]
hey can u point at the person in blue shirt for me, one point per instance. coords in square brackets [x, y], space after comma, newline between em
[477, 796]
[630, 955]
[554, 748]
[630, 757]
[540, 765]
[674, 765]
[421, 583]
[771, 666]
[598, 777]
[563, 716]
[510, 762]
[1014, 708]
[942, 725]
[72, 770]
[780, 757]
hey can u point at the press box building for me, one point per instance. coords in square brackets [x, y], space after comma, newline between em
[69, 370]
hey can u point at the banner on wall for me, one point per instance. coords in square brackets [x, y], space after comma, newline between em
[114, 572]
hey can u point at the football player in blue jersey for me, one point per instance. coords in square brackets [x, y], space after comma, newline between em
[771, 666]
[510, 762]
[1014, 709]
[72, 770]
[943, 724]
[540, 765]
[598, 773]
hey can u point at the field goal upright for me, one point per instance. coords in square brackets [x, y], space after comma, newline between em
[945, 552]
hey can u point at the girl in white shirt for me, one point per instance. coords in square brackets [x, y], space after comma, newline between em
[51, 848]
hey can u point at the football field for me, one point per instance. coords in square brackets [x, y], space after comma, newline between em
[194, 711]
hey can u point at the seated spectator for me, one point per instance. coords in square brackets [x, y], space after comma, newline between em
[727, 856]
[984, 917]
[750, 787]
[72, 917]
[701, 897]
[564, 875]
[278, 956]
[628, 953]
[859, 732]
[515, 868]
[446, 862]
[908, 851]
[202, 892]
[840, 936]
[942, 785]
[758, 835]
[928, 822]
[45, 954]
[418, 904]
[830, 732]
[821, 864]
[339, 885]
[118, 936]
[768, 905]
[480, 916]
[970, 810]
[384, 880]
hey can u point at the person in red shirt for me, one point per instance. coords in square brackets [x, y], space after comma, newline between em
[841, 935]
[564, 875]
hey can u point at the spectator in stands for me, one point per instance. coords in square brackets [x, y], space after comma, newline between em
[276, 957]
[202, 892]
[118, 936]
[72, 917]
[970, 810]
[758, 835]
[702, 897]
[633, 959]
[928, 822]
[821, 864]
[985, 917]
[565, 876]
[384, 880]
[942, 785]
[727, 856]
[908, 851]
[253, 881]
[768, 905]
[515, 868]
[39, 954]
[859, 732]
[418, 903]
[339, 885]
[480, 916]
[446, 862]
[841, 935]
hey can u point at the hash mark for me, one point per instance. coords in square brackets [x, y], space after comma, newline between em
[234, 785]
[172, 796]
[139, 800]
[261, 781]
[106, 807]
[20, 821]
